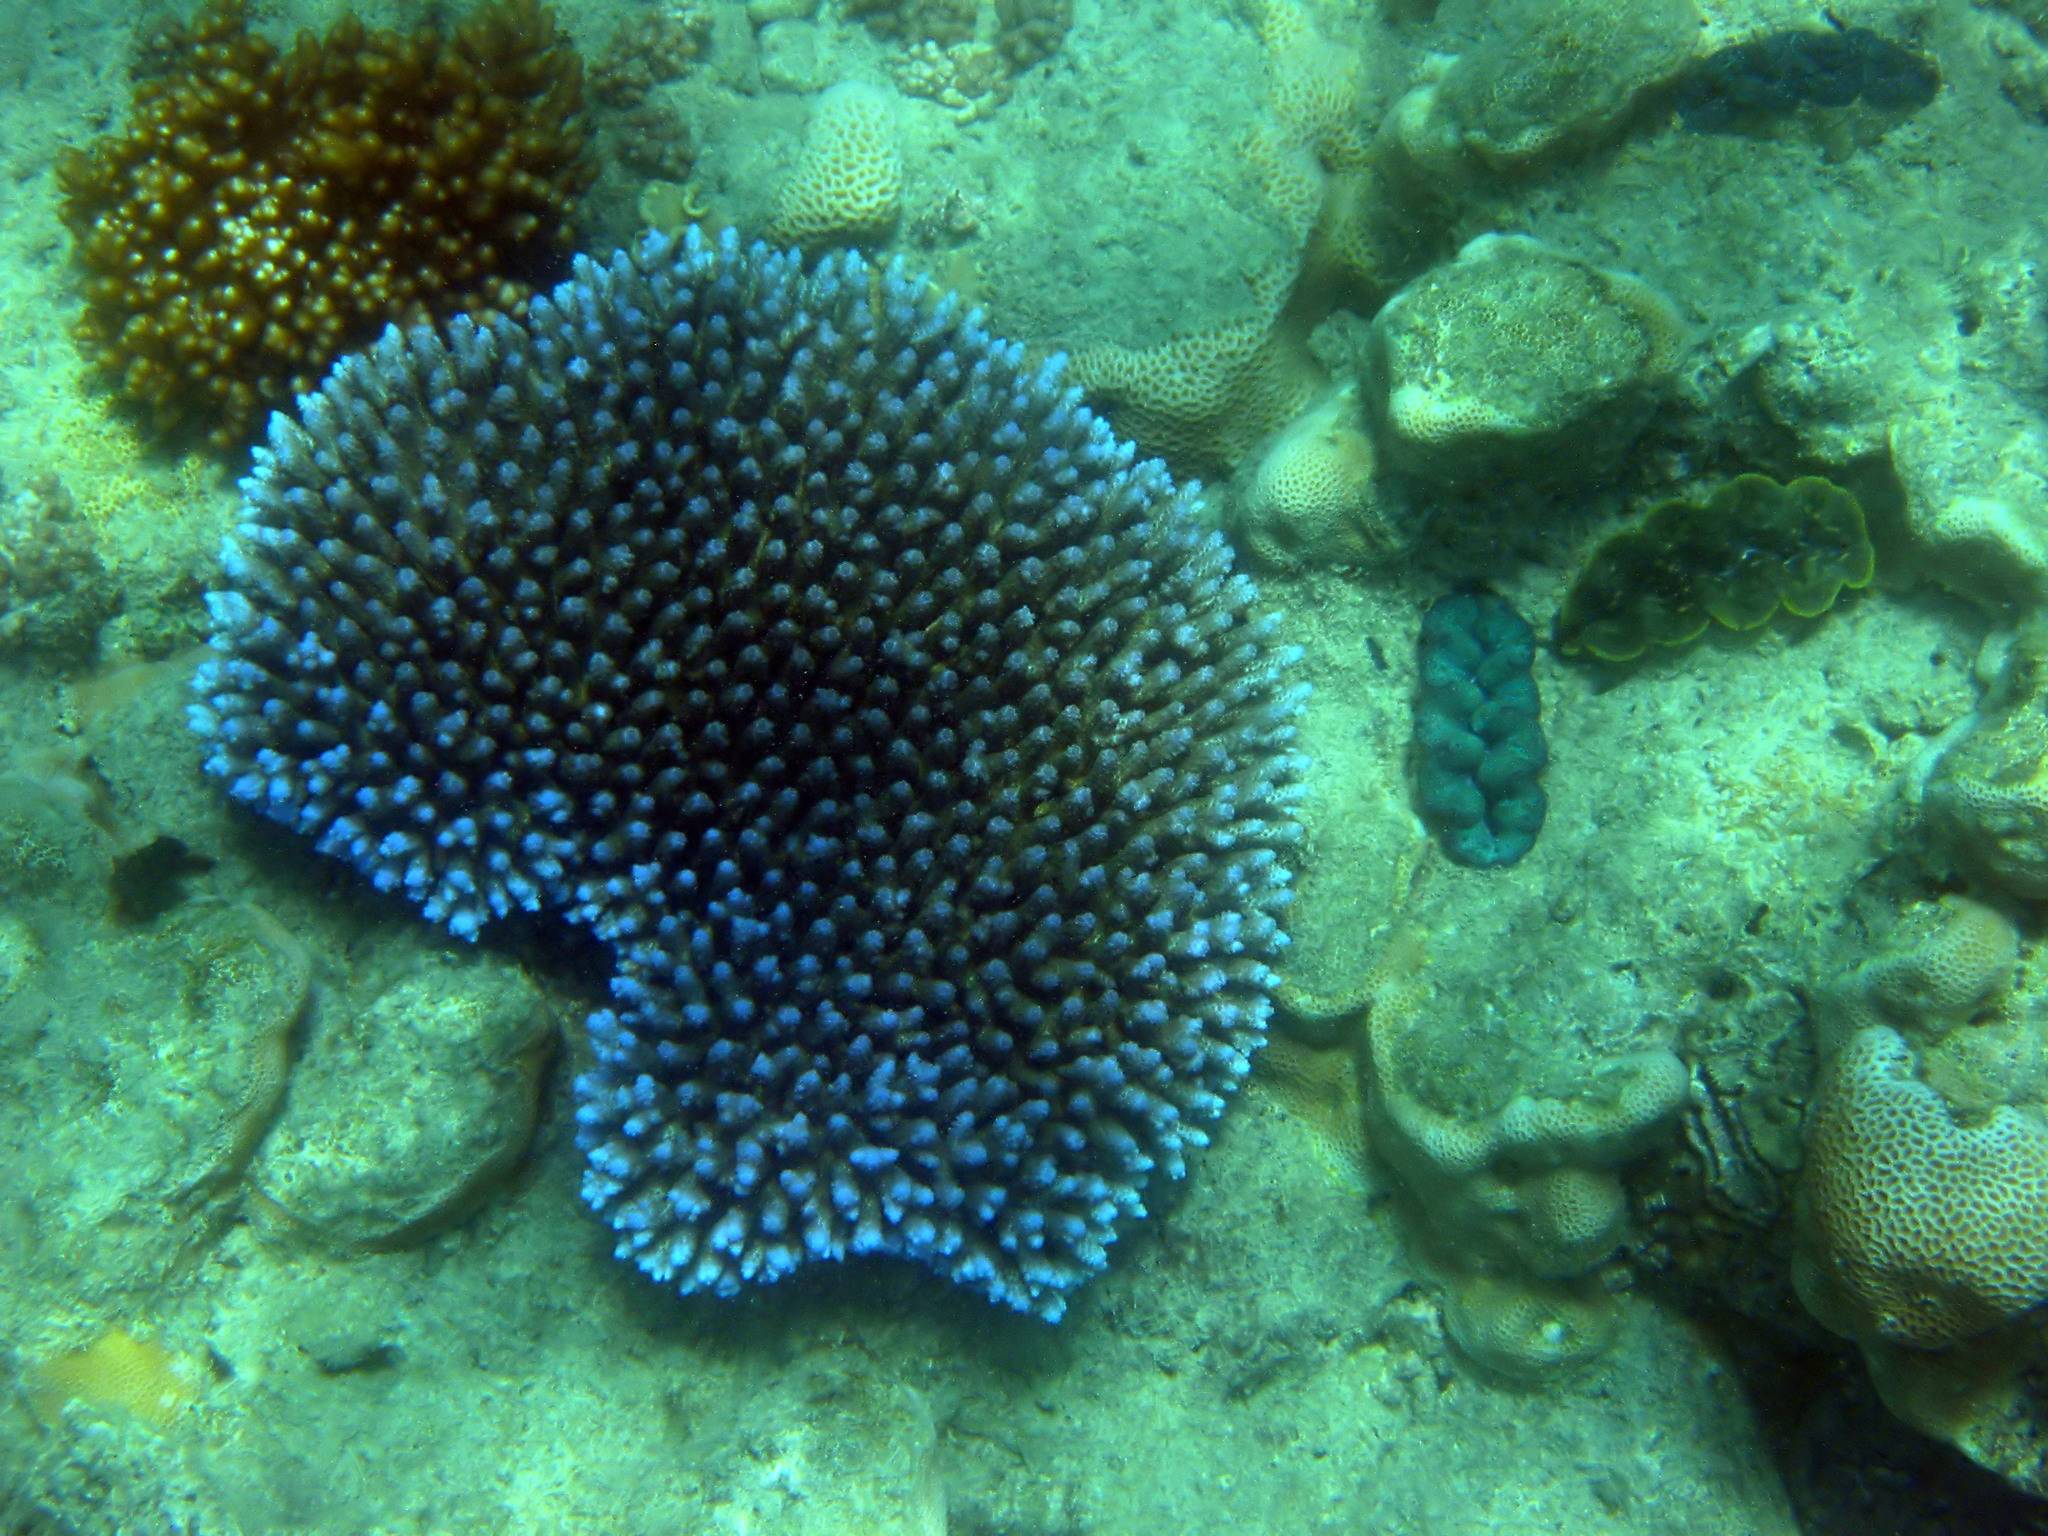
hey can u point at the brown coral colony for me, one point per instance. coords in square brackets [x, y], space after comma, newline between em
[264, 211]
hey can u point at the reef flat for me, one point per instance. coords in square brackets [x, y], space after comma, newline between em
[1588, 1183]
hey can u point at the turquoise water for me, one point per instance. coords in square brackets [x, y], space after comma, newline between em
[1643, 1123]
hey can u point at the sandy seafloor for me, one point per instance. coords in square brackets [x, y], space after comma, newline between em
[1267, 1353]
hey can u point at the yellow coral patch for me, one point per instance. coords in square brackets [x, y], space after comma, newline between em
[1918, 1227]
[120, 1373]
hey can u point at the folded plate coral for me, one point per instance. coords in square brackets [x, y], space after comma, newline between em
[917, 755]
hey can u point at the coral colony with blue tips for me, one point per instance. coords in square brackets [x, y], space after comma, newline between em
[768, 746]
[912, 749]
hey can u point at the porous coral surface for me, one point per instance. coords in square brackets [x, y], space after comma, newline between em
[847, 182]
[1926, 1226]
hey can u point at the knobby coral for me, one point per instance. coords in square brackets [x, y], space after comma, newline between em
[918, 757]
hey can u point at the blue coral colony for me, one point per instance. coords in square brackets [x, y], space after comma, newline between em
[919, 761]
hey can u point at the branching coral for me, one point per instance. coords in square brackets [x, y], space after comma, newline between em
[915, 752]
[263, 211]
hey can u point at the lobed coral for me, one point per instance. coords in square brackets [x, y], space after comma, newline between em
[1321, 1089]
[1513, 1178]
[1545, 76]
[1949, 960]
[262, 211]
[1312, 499]
[1919, 1228]
[939, 21]
[914, 752]
[1016, 33]
[1313, 86]
[1030, 31]
[1985, 805]
[1526, 1331]
[970, 80]
[649, 49]
[847, 183]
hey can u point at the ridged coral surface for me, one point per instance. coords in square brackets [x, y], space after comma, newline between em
[915, 753]
[848, 180]
[262, 211]
[1920, 1226]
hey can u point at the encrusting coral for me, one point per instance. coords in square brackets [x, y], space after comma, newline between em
[55, 590]
[263, 211]
[1513, 1182]
[119, 1373]
[914, 751]
[1206, 399]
